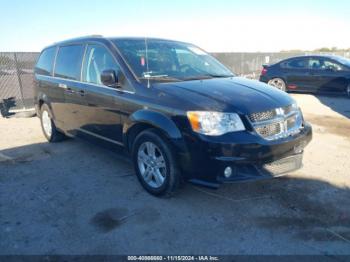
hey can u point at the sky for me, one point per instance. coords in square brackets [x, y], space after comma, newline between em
[216, 26]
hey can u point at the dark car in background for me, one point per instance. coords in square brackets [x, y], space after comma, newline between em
[179, 113]
[327, 74]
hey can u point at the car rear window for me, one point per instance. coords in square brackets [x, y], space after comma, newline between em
[45, 63]
[68, 62]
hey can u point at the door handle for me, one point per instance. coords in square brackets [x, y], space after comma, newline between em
[82, 92]
[70, 90]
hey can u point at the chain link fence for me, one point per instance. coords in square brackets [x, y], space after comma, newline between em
[250, 64]
[16, 81]
[16, 73]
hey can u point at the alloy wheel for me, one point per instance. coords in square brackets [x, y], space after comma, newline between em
[278, 83]
[151, 164]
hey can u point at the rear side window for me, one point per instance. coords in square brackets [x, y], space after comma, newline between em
[295, 64]
[45, 63]
[68, 62]
[315, 63]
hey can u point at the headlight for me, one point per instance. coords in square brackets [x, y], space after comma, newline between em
[214, 123]
[295, 106]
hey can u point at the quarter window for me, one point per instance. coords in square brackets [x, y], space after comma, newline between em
[68, 62]
[97, 59]
[45, 63]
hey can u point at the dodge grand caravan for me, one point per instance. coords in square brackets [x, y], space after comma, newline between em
[179, 113]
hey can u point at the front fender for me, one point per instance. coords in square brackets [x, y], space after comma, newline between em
[155, 120]
[151, 119]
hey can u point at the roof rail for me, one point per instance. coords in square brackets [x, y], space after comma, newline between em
[77, 38]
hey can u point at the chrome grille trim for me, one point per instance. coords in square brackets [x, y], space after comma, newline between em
[272, 128]
[262, 116]
[277, 123]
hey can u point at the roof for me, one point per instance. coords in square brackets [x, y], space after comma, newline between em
[141, 38]
[313, 55]
[101, 38]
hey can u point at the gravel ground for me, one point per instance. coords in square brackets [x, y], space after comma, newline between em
[79, 198]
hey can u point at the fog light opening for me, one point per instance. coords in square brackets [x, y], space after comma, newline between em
[228, 172]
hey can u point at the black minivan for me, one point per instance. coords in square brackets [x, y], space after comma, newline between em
[179, 113]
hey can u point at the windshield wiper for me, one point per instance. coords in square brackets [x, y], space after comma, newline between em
[160, 78]
[219, 76]
[206, 76]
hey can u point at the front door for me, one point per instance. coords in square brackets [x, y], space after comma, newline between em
[102, 114]
[332, 77]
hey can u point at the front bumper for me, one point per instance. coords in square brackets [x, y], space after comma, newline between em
[249, 157]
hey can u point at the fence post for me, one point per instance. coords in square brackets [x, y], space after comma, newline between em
[19, 79]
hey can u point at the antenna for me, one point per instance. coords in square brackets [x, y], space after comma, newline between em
[146, 45]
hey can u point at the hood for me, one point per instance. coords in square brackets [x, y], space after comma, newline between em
[234, 94]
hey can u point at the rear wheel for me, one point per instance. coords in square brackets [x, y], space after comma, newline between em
[278, 83]
[48, 126]
[155, 164]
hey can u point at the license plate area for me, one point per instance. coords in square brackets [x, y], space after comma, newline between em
[282, 166]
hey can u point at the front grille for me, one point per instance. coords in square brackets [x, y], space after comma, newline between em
[262, 116]
[276, 123]
[269, 129]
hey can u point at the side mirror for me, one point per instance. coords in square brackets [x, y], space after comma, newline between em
[110, 78]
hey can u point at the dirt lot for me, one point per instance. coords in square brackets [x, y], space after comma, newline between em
[77, 198]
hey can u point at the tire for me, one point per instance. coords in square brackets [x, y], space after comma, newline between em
[48, 126]
[158, 173]
[279, 83]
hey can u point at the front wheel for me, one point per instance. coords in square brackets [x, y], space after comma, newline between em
[278, 83]
[155, 164]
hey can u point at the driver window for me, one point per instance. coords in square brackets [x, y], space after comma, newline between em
[329, 65]
[97, 59]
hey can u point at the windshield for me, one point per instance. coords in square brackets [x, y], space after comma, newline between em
[342, 60]
[162, 60]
